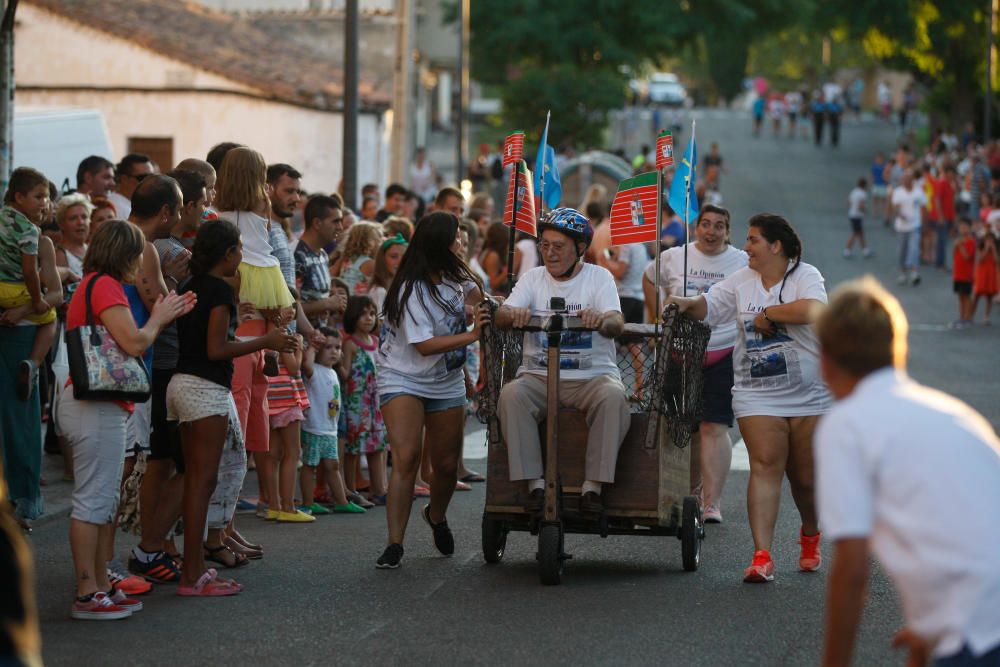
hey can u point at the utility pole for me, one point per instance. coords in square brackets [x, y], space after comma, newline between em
[988, 101]
[402, 89]
[463, 90]
[7, 92]
[350, 148]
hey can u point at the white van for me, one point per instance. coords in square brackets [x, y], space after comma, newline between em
[54, 140]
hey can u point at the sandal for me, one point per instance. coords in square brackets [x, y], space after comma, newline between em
[462, 486]
[210, 585]
[212, 555]
[238, 537]
[360, 500]
[237, 548]
[473, 478]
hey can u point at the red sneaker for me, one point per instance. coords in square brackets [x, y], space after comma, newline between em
[809, 557]
[98, 607]
[129, 585]
[761, 569]
[119, 598]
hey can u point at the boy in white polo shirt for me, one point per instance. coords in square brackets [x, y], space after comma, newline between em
[913, 475]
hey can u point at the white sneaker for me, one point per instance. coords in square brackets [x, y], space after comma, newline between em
[711, 514]
[848, 254]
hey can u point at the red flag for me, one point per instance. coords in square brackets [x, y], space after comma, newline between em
[633, 212]
[664, 150]
[520, 182]
[513, 148]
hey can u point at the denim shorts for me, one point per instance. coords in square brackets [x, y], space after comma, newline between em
[430, 404]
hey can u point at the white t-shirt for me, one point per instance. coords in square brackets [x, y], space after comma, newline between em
[918, 473]
[529, 256]
[584, 354]
[909, 202]
[630, 285]
[323, 389]
[255, 237]
[777, 376]
[401, 367]
[703, 272]
[854, 202]
[123, 205]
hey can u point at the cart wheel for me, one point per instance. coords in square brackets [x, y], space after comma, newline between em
[550, 561]
[494, 539]
[691, 534]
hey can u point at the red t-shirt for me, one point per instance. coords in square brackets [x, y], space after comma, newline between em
[943, 191]
[962, 268]
[107, 292]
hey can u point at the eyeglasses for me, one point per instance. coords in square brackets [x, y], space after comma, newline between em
[545, 246]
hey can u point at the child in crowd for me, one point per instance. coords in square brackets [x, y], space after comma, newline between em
[387, 260]
[243, 201]
[365, 428]
[287, 400]
[857, 204]
[200, 398]
[357, 262]
[338, 288]
[962, 273]
[23, 251]
[984, 284]
[319, 428]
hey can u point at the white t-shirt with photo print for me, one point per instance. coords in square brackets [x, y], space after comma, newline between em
[779, 375]
[703, 271]
[401, 367]
[584, 354]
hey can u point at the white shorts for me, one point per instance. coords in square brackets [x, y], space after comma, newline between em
[137, 429]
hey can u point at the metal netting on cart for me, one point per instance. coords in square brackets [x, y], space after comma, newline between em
[636, 357]
[501, 359]
[678, 380]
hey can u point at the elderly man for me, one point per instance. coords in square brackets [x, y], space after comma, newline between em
[590, 380]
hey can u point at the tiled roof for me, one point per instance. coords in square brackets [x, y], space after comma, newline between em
[227, 45]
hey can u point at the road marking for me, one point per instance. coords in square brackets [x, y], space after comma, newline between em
[372, 630]
[741, 457]
[434, 589]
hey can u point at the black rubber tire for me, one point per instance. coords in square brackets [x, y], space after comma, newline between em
[494, 539]
[550, 562]
[691, 534]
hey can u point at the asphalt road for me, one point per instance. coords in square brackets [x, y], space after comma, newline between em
[316, 598]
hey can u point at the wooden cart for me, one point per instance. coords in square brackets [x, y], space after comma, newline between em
[651, 492]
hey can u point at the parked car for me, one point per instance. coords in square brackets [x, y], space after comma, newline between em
[665, 88]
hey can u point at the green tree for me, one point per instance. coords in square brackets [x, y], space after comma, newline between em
[942, 42]
[573, 58]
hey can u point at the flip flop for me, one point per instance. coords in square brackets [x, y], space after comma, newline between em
[237, 547]
[216, 555]
[472, 477]
[462, 486]
[209, 585]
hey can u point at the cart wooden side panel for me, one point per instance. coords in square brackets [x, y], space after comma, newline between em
[636, 484]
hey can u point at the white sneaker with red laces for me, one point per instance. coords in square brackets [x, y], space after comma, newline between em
[97, 607]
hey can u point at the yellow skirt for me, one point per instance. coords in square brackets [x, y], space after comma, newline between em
[14, 295]
[264, 287]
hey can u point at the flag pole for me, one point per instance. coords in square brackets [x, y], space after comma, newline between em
[687, 209]
[515, 181]
[541, 169]
[656, 260]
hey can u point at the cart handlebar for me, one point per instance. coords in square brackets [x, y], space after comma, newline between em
[555, 322]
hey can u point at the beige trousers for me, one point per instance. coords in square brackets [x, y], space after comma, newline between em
[523, 407]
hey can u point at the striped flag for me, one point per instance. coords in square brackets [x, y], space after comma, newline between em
[664, 150]
[513, 148]
[633, 212]
[520, 182]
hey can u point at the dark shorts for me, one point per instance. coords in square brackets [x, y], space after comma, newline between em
[962, 287]
[856, 225]
[633, 310]
[165, 435]
[717, 392]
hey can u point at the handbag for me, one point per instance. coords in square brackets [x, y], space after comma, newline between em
[100, 369]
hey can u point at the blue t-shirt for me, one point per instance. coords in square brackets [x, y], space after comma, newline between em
[141, 316]
[675, 229]
[878, 171]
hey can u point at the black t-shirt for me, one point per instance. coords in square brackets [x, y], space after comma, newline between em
[192, 330]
